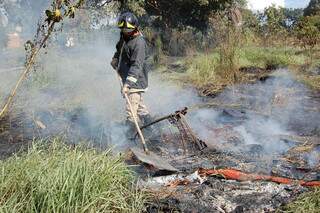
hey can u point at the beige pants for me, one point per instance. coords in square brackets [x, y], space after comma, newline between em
[138, 107]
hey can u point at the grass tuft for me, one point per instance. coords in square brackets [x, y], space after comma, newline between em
[306, 203]
[53, 177]
[205, 73]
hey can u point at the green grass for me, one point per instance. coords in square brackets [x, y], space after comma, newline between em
[203, 69]
[206, 73]
[306, 203]
[266, 57]
[53, 177]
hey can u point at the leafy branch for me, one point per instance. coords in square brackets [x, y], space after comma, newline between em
[60, 9]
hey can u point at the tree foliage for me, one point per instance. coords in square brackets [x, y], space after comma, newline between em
[313, 8]
[178, 13]
[308, 31]
[274, 21]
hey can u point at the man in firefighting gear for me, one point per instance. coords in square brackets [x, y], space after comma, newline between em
[132, 68]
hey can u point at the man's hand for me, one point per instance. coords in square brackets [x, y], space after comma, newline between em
[125, 89]
[114, 63]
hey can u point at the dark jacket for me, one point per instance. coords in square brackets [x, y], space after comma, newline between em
[133, 67]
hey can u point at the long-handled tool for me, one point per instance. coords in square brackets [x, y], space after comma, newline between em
[135, 119]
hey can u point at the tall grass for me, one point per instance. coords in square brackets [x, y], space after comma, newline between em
[204, 73]
[211, 72]
[207, 70]
[57, 178]
[203, 69]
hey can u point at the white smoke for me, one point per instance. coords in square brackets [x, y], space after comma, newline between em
[268, 111]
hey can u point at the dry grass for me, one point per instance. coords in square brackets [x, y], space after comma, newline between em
[312, 81]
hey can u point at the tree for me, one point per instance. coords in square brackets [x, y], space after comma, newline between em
[275, 20]
[307, 32]
[313, 8]
[135, 6]
[251, 21]
[273, 24]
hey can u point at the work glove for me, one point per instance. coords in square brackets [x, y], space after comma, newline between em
[125, 90]
[114, 63]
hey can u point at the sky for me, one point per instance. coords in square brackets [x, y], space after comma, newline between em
[261, 4]
[296, 3]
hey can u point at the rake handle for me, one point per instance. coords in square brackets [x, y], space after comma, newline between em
[143, 141]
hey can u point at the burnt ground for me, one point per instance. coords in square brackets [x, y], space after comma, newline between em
[268, 128]
[214, 193]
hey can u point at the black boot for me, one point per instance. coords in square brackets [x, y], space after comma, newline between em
[146, 119]
[149, 131]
